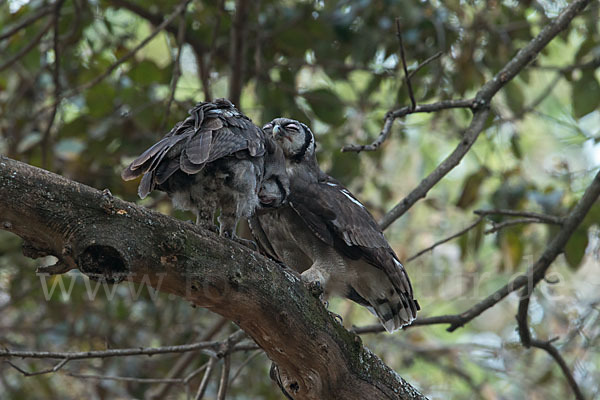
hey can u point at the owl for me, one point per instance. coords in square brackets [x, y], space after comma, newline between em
[215, 159]
[327, 235]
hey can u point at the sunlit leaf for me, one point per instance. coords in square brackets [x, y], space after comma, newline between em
[575, 247]
[586, 94]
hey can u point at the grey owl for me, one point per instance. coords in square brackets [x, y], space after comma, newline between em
[328, 236]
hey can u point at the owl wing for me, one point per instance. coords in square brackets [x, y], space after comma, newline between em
[212, 131]
[340, 220]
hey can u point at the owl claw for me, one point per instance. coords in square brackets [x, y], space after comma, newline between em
[337, 317]
[316, 289]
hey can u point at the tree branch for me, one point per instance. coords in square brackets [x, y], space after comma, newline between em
[528, 341]
[106, 237]
[28, 46]
[548, 219]
[28, 20]
[535, 274]
[480, 108]
[237, 57]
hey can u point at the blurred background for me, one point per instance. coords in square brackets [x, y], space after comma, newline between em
[84, 93]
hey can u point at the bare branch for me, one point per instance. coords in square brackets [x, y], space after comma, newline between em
[535, 274]
[176, 67]
[498, 226]
[147, 351]
[436, 244]
[28, 20]
[472, 133]
[237, 57]
[393, 115]
[545, 218]
[224, 381]
[123, 378]
[45, 145]
[424, 63]
[181, 364]
[28, 46]
[411, 95]
[178, 10]
[547, 345]
[205, 379]
[42, 372]
[481, 107]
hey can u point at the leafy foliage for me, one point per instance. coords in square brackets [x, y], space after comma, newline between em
[335, 66]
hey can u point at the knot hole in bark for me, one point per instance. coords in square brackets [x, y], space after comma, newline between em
[102, 263]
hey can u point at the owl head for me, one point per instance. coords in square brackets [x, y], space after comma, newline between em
[295, 138]
[275, 186]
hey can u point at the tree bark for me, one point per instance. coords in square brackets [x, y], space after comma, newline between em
[108, 238]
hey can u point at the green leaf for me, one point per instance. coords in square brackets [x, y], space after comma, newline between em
[514, 97]
[512, 247]
[586, 94]
[146, 72]
[470, 190]
[100, 99]
[326, 106]
[575, 247]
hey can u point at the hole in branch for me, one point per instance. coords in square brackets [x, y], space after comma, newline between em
[102, 263]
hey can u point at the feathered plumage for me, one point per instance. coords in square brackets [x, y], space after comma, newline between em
[327, 235]
[215, 158]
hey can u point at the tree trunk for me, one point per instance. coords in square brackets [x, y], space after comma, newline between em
[108, 238]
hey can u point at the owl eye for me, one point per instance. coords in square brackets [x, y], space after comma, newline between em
[267, 126]
[293, 127]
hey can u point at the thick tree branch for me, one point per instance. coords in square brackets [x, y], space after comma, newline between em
[107, 237]
[480, 108]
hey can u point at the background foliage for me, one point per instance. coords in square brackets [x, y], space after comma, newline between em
[334, 65]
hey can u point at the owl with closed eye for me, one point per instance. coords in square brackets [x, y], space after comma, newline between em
[327, 235]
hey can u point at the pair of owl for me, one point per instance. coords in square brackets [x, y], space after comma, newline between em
[218, 159]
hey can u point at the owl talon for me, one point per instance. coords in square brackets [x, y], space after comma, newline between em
[316, 289]
[337, 317]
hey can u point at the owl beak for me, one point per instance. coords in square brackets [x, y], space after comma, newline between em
[277, 131]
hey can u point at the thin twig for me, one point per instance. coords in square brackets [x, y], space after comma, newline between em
[45, 371]
[176, 67]
[45, 142]
[178, 10]
[528, 341]
[182, 362]
[244, 364]
[28, 20]
[214, 345]
[424, 63]
[205, 379]
[224, 381]
[411, 95]
[501, 225]
[28, 46]
[123, 378]
[457, 234]
[534, 274]
[548, 219]
[481, 108]
[393, 115]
